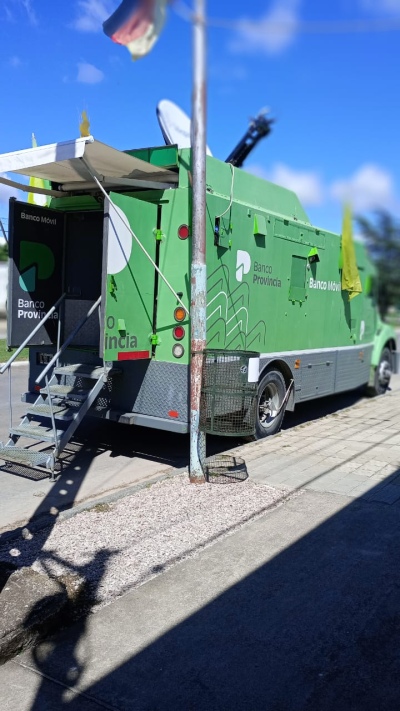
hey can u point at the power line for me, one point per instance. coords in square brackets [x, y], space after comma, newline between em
[4, 228]
[299, 26]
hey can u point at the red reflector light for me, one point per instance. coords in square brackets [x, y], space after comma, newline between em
[133, 355]
[179, 333]
[173, 413]
[183, 232]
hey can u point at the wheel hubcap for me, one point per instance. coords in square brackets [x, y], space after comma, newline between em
[268, 406]
[384, 373]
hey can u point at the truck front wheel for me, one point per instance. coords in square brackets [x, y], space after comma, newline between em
[383, 374]
[270, 396]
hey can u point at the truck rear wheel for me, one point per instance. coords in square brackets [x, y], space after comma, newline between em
[270, 396]
[383, 374]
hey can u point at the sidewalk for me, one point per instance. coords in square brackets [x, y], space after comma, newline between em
[297, 610]
[103, 458]
[355, 452]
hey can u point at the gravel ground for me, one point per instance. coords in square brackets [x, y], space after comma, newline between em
[116, 547]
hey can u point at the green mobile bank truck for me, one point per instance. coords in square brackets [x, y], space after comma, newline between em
[99, 286]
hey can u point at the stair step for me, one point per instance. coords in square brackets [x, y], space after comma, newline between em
[60, 412]
[67, 391]
[43, 434]
[27, 457]
[68, 404]
[86, 370]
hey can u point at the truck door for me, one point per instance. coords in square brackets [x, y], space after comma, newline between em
[129, 285]
[35, 271]
[82, 274]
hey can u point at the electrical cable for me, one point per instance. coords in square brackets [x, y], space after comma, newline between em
[231, 196]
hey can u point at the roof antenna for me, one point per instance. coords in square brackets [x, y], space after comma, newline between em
[259, 127]
[176, 126]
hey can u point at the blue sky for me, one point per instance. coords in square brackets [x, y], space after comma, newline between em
[335, 94]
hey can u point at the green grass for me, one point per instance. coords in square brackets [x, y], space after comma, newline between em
[5, 354]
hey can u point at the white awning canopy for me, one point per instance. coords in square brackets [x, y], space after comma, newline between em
[72, 166]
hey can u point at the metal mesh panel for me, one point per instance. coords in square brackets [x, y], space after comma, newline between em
[28, 457]
[103, 400]
[228, 400]
[24, 471]
[89, 334]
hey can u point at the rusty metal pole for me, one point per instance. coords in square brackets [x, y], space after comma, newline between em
[198, 268]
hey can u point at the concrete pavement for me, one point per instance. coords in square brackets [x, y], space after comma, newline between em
[298, 610]
[103, 459]
[355, 452]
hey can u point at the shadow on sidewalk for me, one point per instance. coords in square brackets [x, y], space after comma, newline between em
[316, 628]
[74, 660]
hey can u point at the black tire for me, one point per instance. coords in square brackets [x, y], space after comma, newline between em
[270, 395]
[383, 374]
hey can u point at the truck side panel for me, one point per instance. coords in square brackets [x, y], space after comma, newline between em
[266, 294]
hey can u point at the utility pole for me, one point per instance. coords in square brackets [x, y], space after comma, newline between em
[198, 267]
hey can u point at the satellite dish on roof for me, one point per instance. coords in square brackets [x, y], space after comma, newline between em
[175, 125]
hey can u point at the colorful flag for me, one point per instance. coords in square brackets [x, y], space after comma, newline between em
[84, 126]
[350, 277]
[37, 198]
[136, 24]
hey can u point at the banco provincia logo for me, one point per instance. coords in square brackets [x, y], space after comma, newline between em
[243, 264]
[36, 263]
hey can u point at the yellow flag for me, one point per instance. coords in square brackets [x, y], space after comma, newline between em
[350, 277]
[84, 126]
[37, 198]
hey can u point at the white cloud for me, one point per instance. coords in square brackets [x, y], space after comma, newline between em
[368, 188]
[8, 13]
[270, 34]
[306, 184]
[16, 6]
[15, 62]
[390, 6]
[5, 193]
[92, 14]
[89, 74]
[27, 5]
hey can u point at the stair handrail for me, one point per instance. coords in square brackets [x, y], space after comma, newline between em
[28, 338]
[68, 340]
[53, 422]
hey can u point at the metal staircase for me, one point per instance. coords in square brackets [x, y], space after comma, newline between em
[59, 408]
[54, 417]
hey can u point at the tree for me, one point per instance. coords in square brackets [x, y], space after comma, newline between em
[382, 237]
[3, 252]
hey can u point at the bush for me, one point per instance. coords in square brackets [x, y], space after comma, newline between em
[3, 252]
